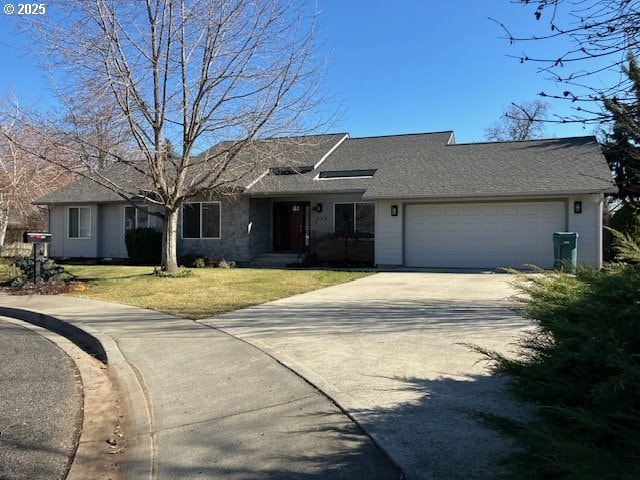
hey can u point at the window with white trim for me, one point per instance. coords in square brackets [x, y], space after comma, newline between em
[136, 217]
[354, 218]
[79, 222]
[201, 220]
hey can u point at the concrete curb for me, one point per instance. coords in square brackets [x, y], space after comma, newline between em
[87, 342]
[140, 462]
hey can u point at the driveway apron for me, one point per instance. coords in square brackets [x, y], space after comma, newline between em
[392, 350]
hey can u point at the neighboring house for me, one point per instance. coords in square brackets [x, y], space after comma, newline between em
[415, 200]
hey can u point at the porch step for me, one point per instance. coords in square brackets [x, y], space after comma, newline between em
[275, 259]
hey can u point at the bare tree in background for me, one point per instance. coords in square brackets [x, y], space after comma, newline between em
[23, 178]
[599, 34]
[523, 121]
[186, 73]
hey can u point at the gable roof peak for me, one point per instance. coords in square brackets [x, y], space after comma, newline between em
[531, 140]
[413, 134]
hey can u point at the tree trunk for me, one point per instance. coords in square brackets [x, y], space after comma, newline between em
[4, 222]
[169, 261]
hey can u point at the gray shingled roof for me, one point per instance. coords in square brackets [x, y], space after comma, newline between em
[428, 166]
[535, 167]
[413, 167]
[290, 151]
[352, 154]
[86, 190]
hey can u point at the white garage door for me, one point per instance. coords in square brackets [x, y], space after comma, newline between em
[482, 235]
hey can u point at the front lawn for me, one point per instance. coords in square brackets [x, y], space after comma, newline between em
[209, 291]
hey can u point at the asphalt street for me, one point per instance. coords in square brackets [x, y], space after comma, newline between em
[40, 406]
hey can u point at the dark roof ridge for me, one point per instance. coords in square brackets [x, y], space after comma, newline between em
[493, 142]
[286, 137]
[402, 135]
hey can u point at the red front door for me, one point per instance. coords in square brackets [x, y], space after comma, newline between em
[289, 226]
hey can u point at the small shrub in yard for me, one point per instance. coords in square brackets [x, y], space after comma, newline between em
[182, 273]
[50, 271]
[199, 263]
[193, 260]
[624, 245]
[226, 264]
[581, 368]
[627, 221]
[144, 246]
[9, 271]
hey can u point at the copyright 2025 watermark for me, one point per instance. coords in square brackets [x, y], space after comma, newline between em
[24, 8]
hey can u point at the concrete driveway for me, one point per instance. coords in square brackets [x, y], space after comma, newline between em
[389, 350]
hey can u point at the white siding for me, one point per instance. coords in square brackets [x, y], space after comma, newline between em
[111, 231]
[56, 228]
[61, 244]
[588, 224]
[107, 231]
[388, 234]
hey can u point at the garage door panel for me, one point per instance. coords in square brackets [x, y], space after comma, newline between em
[482, 235]
[489, 210]
[530, 244]
[529, 227]
[452, 227]
[452, 211]
[553, 209]
[490, 227]
[510, 227]
[529, 209]
[470, 211]
[509, 210]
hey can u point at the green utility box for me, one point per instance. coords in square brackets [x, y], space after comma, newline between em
[565, 250]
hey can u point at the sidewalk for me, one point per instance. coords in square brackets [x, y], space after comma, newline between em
[204, 404]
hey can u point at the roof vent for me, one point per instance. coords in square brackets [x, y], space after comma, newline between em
[329, 174]
[297, 170]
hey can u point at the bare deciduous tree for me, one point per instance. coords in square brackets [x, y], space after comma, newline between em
[193, 72]
[23, 178]
[522, 121]
[583, 40]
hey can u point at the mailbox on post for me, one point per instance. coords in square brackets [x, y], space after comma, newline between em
[36, 237]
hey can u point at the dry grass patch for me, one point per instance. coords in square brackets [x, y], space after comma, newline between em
[208, 292]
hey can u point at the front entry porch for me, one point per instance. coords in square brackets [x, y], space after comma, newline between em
[316, 229]
[291, 227]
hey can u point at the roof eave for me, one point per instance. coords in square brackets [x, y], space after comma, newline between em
[302, 192]
[493, 195]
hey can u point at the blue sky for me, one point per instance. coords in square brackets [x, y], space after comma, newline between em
[397, 67]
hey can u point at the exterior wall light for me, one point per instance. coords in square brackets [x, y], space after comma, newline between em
[394, 210]
[577, 207]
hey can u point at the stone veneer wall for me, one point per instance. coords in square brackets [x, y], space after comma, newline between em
[261, 236]
[233, 243]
